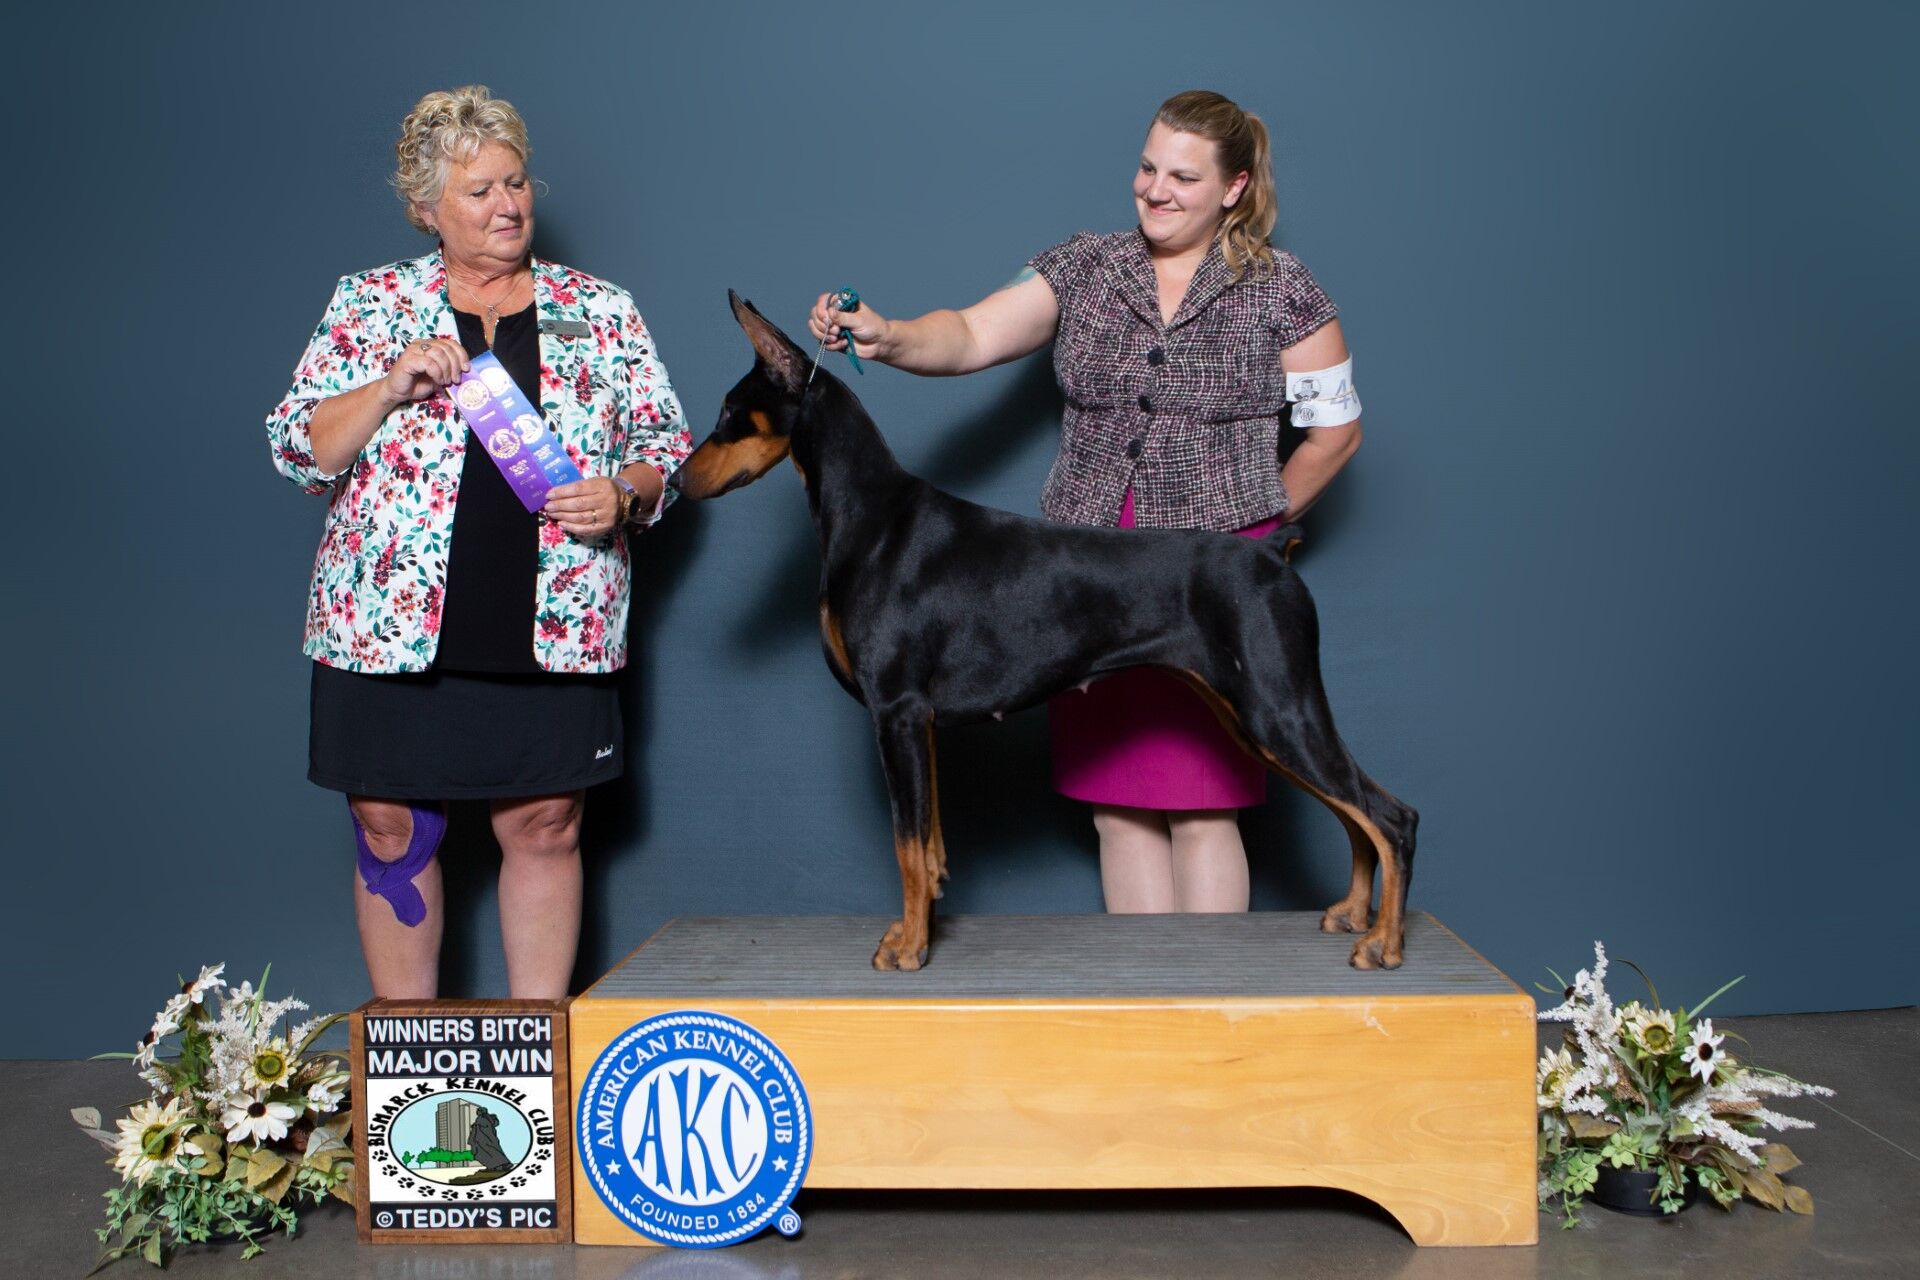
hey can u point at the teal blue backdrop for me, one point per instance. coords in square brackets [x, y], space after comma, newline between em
[1615, 593]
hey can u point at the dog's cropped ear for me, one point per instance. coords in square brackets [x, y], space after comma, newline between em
[786, 362]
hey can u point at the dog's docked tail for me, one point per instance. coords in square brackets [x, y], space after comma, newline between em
[1290, 536]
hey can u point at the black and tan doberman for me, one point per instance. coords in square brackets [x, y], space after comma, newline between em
[937, 611]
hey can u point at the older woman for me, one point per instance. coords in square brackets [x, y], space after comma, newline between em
[1179, 344]
[464, 645]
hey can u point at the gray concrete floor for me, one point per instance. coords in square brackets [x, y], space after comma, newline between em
[1862, 1166]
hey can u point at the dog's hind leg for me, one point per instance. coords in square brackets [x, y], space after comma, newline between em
[1298, 741]
[936, 842]
[906, 753]
[1390, 826]
[1351, 913]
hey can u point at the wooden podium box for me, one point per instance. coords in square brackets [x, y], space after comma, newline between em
[1095, 1051]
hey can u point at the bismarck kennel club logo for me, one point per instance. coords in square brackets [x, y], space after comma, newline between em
[460, 1123]
[694, 1131]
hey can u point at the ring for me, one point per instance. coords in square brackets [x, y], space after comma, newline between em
[424, 345]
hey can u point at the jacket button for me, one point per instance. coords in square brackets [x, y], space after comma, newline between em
[1157, 356]
[1146, 404]
[1134, 447]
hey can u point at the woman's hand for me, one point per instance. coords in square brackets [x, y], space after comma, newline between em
[587, 509]
[866, 327]
[424, 368]
[341, 425]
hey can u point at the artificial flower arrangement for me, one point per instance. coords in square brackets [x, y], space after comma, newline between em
[242, 1123]
[1650, 1089]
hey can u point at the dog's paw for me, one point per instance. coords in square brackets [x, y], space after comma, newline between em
[1344, 917]
[1377, 950]
[896, 952]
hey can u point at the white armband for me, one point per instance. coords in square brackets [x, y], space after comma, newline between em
[1324, 397]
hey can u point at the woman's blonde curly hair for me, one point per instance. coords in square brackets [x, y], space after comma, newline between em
[450, 124]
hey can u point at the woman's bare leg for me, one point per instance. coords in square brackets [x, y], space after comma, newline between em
[1209, 861]
[403, 961]
[1136, 859]
[540, 886]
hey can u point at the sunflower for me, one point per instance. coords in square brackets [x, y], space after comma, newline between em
[271, 1064]
[1648, 1031]
[150, 1139]
[1550, 1079]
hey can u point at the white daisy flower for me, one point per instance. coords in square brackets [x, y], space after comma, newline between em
[150, 1139]
[1703, 1052]
[143, 1054]
[208, 980]
[251, 1119]
[325, 1094]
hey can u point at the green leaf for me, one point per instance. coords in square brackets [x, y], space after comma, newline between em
[1695, 1011]
[1652, 991]
[301, 1048]
[152, 1251]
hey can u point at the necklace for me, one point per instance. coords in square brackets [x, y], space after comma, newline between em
[493, 307]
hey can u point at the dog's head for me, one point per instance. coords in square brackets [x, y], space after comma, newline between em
[756, 422]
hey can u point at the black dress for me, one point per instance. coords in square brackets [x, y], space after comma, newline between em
[486, 722]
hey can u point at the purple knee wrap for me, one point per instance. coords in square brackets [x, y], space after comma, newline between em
[394, 880]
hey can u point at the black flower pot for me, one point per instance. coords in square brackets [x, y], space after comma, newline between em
[1630, 1191]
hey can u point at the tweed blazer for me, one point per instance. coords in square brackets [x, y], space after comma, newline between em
[379, 578]
[1186, 413]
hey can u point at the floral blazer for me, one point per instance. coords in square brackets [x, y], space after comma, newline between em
[380, 576]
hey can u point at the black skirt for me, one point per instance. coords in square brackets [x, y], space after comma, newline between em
[450, 735]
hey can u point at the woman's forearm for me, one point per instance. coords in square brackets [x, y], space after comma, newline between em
[938, 343]
[341, 425]
[1315, 463]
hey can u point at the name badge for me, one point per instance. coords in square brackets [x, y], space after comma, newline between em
[566, 328]
[510, 427]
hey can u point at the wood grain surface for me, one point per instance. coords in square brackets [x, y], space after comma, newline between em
[1418, 1099]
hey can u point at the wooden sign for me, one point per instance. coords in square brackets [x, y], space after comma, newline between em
[462, 1122]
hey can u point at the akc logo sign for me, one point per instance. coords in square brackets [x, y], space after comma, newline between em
[694, 1131]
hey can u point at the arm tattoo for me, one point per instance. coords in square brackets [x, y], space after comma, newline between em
[1026, 274]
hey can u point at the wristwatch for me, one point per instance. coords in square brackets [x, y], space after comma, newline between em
[629, 497]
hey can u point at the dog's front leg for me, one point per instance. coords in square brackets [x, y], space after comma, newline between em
[906, 753]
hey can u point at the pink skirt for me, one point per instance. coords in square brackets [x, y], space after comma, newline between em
[1143, 738]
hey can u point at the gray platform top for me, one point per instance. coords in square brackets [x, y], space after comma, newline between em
[1278, 953]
